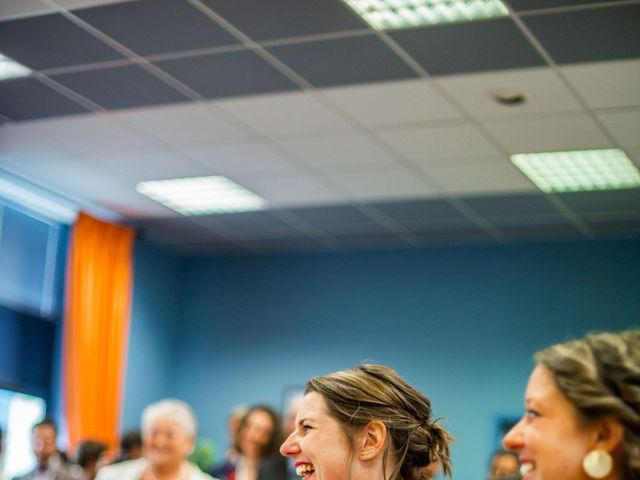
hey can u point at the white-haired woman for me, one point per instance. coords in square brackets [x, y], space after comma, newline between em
[168, 434]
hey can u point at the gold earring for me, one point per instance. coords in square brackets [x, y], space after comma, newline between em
[368, 453]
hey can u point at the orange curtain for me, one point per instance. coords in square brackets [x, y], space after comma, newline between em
[96, 329]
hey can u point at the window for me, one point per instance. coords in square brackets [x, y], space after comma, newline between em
[18, 413]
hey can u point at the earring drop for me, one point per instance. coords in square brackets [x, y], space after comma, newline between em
[597, 464]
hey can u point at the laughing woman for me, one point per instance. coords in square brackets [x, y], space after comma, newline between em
[582, 416]
[366, 423]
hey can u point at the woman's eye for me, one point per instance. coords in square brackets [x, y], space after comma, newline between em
[307, 427]
[530, 413]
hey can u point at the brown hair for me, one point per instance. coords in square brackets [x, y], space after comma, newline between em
[600, 375]
[272, 446]
[369, 392]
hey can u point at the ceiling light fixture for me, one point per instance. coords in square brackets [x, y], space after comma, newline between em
[202, 195]
[394, 14]
[577, 171]
[10, 69]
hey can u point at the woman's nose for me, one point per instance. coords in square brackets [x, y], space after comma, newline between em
[513, 440]
[290, 447]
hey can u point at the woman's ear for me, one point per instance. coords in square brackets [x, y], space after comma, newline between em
[372, 440]
[609, 434]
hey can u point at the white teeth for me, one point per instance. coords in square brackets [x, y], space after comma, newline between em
[526, 468]
[304, 470]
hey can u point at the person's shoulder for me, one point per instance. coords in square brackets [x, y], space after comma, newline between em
[197, 474]
[26, 476]
[122, 470]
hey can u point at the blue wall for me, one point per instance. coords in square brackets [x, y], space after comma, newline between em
[155, 319]
[460, 323]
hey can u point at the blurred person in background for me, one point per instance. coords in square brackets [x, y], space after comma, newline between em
[582, 411]
[169, 430]
[130, 446]
[277, 467]
[258, 437]
[504, 466]
[90, 457]
[51, 463]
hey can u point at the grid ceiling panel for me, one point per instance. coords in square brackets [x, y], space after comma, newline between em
[589, 35]
[169, 26]
[356, 138]
[469, 47]
[50, 41]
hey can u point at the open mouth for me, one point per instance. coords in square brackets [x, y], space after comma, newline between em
[526, 468]
[305, 470]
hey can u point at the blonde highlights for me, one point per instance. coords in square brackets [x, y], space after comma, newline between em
[369, 392]
[600, 375]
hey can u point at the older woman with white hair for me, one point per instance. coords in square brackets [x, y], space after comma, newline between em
[168, 435]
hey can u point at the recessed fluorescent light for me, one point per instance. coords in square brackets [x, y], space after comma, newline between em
[10, 69]
[202, 195]
[392, 14]
[576, 171]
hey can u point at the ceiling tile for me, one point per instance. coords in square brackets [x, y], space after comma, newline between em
[537, 4]
[242, 160]
[607, 201]
[288, 244]
[378, 184]
[79, 136]
[468, 47]
[122, 22]
[607, 84]
[469, 233]
[335, 153]
[27, 98]
[400, 101]
[288, 190]
[539, 232]
[544, 91]
[120, 87]
[368, 240]
[49, 41]
[153, 164]
[329, 218]
[182, 124]
[478, 179]
[574, 132]
[624, 126]
[91, 134]
[227, 74]
[286, 18]
[420, 211]
[70, 4]
[526, 204]
[284, 114]
[634, 154]
[343, 61]
[251, 221]
[22, 8]
[427, 145]
[629, 226]
[29, 140]
[589, 35]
